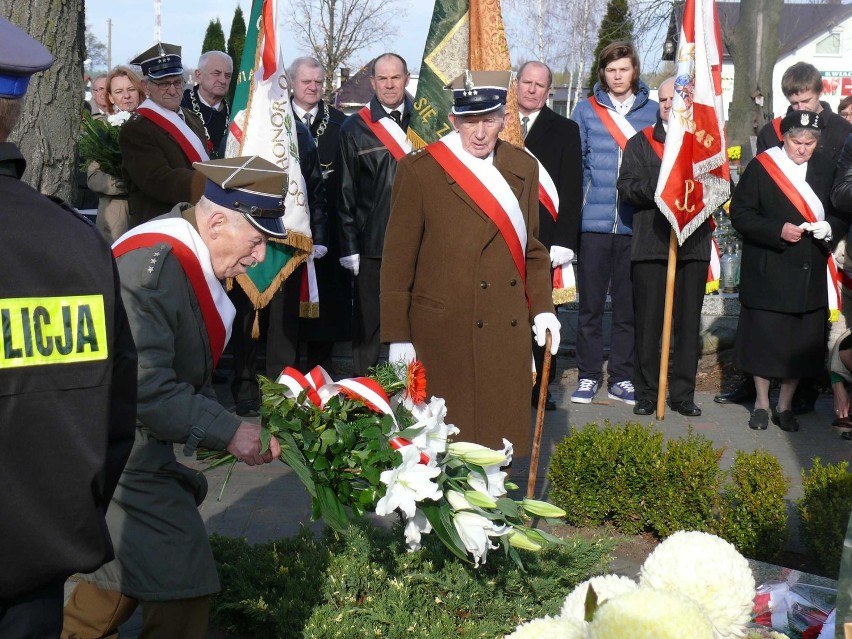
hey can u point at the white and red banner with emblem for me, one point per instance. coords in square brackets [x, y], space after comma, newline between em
[694, 177]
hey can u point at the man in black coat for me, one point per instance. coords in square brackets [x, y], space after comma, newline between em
[207, 98]
[67, 379]
[555, 141]
[637, 182]
[371, 143]
[334, 282]
[802, 86]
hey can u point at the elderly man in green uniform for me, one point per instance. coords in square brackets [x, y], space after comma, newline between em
[171, 270]
[161, 140]
[67, 379]
[464, 276]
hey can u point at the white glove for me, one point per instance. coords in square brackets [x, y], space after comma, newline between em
[319, 251]
[821, 230]
[401, 352]
[541, 323]
[560, 255]
[351, 262]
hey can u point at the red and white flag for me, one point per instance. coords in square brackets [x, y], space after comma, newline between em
[694, 177]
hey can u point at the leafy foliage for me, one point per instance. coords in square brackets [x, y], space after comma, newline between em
[362, 583]
[753, 516]
[236, 42]
[824, 511]
[99, 143]
[214, 37]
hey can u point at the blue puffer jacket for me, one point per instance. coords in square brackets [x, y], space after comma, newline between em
[602, 212]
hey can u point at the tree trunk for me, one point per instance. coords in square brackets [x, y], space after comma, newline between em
[49, 127]
[754, 47]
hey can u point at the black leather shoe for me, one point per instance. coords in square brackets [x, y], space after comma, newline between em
[687, 408]
[740, 394]
[644, 407]
[759, 419]
[247, 409]
[786, 421]
[802, 405]
[549, 403]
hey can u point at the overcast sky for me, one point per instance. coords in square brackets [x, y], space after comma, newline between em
[184, 23]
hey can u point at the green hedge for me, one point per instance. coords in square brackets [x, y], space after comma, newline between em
[627, 476]
[365, 584]
[824, 512]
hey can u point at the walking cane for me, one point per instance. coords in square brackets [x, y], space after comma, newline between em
[539, 414]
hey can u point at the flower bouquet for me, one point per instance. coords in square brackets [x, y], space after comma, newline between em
[375, 444]
[99, 142]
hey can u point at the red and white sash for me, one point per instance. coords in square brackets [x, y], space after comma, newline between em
[548, 196]
[619, 128]
[486, 186]
[714, 269]
[174, 125]
[188, 247]
[802, 196]
[389, 133]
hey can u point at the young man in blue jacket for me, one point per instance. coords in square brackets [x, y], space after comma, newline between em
[618, 108]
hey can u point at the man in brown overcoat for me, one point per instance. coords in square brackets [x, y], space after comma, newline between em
[464, 277]
[161, 140]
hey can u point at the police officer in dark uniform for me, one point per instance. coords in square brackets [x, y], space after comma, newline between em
[67, 380]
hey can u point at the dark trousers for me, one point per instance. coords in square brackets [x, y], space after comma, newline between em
[649, 295]
[279, 321]
[365, 329]
[36, 614]
[603, 263]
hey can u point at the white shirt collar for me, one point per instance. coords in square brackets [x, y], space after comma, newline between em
[623, 108]
[300, 112]
[532, 116]
[215, 107]
[400, 108]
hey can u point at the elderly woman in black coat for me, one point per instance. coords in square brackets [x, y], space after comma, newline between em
[781, 207]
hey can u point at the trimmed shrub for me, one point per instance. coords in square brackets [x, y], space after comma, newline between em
[365, 584]
[688, 489]
[824, 512]
[622, 474]
[753, 513]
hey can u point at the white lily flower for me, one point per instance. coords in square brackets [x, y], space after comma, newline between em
[408, 483]
[433, 440]
[493, 483]
[414, 528]
[475, 531]
[476, 454]
[457, 500]
[118, 118]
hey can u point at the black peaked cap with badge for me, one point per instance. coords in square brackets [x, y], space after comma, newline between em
[802, 120]
[160, 61]
[476, 92]
[249, 185]
[20, 57]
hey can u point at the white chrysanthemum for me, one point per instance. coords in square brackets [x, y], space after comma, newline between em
[646, 613]
[549, 628]
[606, 587]
[708, 570]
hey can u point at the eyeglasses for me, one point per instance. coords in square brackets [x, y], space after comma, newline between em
[846, 114]
[177, 85]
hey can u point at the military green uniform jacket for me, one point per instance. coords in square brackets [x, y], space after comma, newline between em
[161, 545]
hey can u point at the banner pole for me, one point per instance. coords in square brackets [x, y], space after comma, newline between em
[667, 327]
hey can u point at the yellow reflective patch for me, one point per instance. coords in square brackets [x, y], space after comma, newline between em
[52, 330]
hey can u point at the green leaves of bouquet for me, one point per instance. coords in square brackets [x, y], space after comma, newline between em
[356, 451]
[99, 142]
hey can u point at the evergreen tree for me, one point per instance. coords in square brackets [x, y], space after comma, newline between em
[236, 41]
[214, 38]
[617, 25]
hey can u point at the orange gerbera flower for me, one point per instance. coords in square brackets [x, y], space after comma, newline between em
[415, 381]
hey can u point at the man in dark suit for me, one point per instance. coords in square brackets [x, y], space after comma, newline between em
[161, 140]
[555, 141]
[334, 282]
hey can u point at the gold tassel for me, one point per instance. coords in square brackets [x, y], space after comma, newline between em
[255, 327]
[564, 295]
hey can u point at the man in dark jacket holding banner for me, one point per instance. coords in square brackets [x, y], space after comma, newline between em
[372, 141]
[637, 182]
